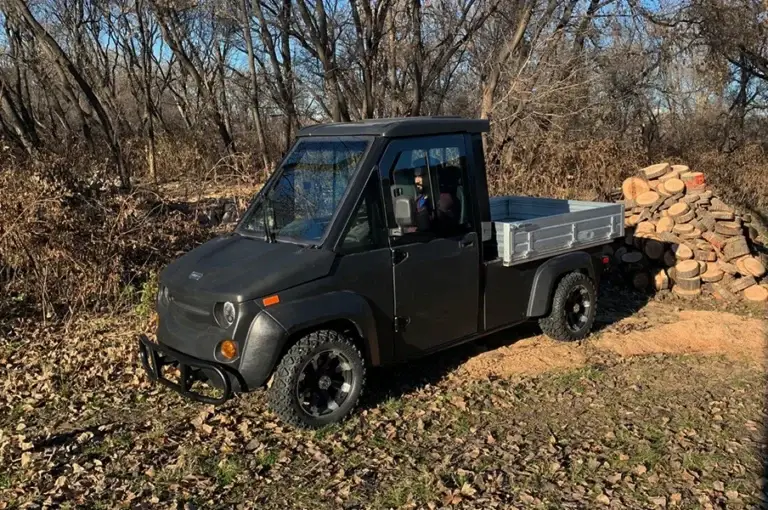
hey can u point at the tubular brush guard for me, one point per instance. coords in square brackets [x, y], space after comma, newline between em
[155, 356]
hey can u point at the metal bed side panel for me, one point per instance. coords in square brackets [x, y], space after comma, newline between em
[589, 224]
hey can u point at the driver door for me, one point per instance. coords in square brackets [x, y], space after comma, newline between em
[435, 270]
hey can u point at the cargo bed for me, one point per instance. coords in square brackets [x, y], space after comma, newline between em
[529, 228]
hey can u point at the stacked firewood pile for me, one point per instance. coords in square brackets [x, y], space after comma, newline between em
[683, 238]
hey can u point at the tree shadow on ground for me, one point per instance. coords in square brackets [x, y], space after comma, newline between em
[615, 302]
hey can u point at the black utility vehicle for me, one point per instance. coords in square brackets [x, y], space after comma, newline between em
[372, 243]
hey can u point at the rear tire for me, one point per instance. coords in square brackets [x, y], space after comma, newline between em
[318, 381]
[573, 309]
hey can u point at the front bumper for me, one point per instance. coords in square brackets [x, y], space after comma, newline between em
[154, 357]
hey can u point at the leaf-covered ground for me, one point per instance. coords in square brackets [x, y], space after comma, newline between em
[81, 427]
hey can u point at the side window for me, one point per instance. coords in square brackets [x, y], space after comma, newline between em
[365, 230]
[435, 180]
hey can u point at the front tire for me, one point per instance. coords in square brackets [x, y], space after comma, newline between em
[318, 381]
[573, 309]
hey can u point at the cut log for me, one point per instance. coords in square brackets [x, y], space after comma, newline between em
[665, 225]
[756, 293]
[669, 202]
[728, 228]
[674, 186]
[671, 273]
[735, 247]
[677, 289]
[685, 217]
[752, 233]
[707, 220]
[693, 181]
[645, 215]
[706, 194]
[632, 257]
[669, 258]
[714, 239]
[712, 274]
[682, 252]
[654, 249]
[672, 173]
[721, 215]
[687, 269]
[620, 253]
[685, 228]
[693, 283]
[645, 226]
[723, 292]
[641, 280]
[660, 280]
[739, 263]
[718, 205]
[702, 267]
[690, 198]
[742, 283]
[701, 202]
[678, 209]
[753, 266]
[634, 187]
[679, 169]
[693, 234]
[670, 238]
[655, 171]
[647, 199]
[662, 190]
[705, 255]
[727, 268]
[632, 220]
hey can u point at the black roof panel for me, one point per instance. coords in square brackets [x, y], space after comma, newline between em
[397, 127]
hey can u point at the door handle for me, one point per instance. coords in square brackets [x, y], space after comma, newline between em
[467, 241]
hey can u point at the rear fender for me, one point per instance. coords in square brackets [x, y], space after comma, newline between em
[548, 274]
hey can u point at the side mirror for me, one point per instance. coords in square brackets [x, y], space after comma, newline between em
[405, 212]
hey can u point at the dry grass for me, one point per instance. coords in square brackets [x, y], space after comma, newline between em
[70, 241]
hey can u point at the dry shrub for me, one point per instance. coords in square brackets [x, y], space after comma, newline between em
[69, 243]
[552, 167]
[741, 176]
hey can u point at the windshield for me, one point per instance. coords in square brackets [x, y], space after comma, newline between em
[307, 189]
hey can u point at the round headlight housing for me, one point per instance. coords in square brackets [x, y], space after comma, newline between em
[228, 313]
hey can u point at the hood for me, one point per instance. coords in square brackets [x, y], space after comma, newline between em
[238, 268]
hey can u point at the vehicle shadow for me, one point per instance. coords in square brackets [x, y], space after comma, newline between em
[615, 302]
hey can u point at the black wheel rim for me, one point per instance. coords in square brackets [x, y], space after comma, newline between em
[578, 306]
[324, 383]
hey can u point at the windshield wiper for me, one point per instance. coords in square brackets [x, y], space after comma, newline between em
[269, 236]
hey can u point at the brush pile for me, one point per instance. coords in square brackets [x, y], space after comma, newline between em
[681, 237]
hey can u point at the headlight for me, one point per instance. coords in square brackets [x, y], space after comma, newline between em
[229, 313]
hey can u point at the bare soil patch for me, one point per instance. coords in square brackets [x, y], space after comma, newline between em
[656, 329]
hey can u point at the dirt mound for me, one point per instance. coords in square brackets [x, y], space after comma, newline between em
[668, 332]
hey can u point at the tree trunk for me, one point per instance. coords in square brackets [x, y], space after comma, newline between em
[146, 56]
[254, 84]
[61, 60]
[417, 49]
[27, 138]
[491, 82]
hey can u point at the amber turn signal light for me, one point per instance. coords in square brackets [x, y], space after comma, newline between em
[271, 300]
[228, 349]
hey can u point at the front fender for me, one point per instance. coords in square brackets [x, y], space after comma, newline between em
[275, 325]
